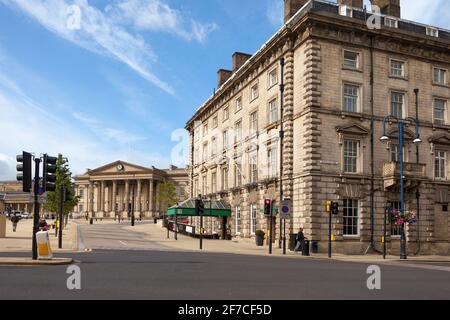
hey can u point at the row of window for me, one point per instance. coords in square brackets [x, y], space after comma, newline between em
[272, 117]
[397, 68]
[350, 218]
[352, 104]
[251, 174]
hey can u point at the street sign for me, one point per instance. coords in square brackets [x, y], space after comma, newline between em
[42, 198]
[286, 209]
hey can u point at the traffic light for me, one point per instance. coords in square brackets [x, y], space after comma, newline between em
[199, 207]
[24, 170]
[49, 177]
[335, 208]
[267, 207]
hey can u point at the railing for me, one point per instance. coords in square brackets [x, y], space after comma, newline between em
[411, 171]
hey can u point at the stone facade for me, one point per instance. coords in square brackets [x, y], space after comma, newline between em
[338, 76]
[106, 191]
[12, 197]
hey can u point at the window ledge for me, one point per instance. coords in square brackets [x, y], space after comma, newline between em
[441, 85]
[399, 78]
[350, 237]
[352, 69]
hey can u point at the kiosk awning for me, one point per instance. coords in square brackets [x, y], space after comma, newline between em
[213, 208]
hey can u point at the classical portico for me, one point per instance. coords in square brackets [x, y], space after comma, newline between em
[112, 190]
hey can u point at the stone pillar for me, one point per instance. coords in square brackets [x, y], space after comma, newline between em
[113, 198]
[157, 212]
[150, 198]
[138, 197]
[91, 199]
[126, 197]
[102, 198]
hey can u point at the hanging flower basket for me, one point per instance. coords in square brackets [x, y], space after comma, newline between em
[400, 218]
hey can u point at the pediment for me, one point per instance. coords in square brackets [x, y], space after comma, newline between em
[120, 167]
[442, 139]
[353, 129]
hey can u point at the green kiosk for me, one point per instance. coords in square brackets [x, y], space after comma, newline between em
[212, 208]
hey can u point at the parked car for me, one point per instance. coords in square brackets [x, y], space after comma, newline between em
[25, 215]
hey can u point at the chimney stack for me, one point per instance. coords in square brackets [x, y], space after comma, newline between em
[291, 7]
[222, 76]
[239, 59]
[352, 3]
[388, 7]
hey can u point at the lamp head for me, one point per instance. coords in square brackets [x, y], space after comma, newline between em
[384, 138]
[417, 140]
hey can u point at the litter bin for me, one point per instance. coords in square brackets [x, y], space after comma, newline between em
[43, 246]
[305, 249]
[314, 247]
[292, 241]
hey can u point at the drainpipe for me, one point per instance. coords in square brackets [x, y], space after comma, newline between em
[372, 149]
[282, 86]
[416, 91]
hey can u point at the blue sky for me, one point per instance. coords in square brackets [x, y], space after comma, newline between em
[124, 84]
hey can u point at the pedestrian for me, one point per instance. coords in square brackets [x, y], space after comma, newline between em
[43, 225]
[300, 238]
[15, 220]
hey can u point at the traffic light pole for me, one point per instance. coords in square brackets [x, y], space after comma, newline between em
[329, 234]
[271, 227]
[284, 236]
[61, 208]
[37, 161]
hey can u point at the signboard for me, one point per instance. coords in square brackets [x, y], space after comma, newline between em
[42, 198]
[286, 209]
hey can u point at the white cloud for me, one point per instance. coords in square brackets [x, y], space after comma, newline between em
[155, 15]
[98, 33]
[118, 136]
[26, 126]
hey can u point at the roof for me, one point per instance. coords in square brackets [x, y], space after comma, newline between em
[316, 6]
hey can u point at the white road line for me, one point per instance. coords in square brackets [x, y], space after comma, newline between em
[123, 243]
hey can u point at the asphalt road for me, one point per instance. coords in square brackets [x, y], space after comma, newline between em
[126, 272]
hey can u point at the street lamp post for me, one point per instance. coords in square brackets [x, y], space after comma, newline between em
[417, 140]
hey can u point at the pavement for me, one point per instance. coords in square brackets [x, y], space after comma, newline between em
[111, 235]
[20, 241]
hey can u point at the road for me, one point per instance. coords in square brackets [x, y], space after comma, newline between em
[124, 265]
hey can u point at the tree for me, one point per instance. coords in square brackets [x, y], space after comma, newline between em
[63, 183]
[167, 196]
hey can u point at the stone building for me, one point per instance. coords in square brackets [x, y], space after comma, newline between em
[341, 75]
[12, 197]
[105, 192]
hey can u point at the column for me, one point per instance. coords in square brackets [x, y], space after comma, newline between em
[139, 189]
[103, 197]
[113, 198]
[157, 200]
[126, 197]
[150, 198]
[91, 199]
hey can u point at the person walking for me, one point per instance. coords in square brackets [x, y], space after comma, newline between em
[300, 238]
[15, 220]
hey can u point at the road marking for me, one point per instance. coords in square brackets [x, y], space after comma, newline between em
[123, 243]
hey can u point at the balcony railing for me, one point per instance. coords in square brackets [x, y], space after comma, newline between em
[411, 171]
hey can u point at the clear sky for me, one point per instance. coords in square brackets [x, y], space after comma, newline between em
[123, 84]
